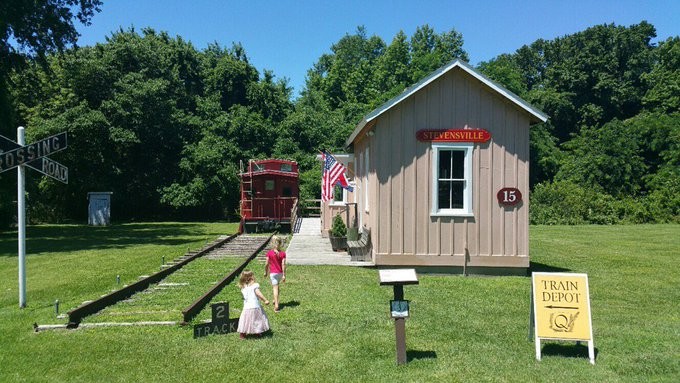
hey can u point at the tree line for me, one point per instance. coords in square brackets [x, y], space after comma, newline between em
[164, 125]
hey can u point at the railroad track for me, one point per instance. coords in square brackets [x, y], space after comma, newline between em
[232, 246]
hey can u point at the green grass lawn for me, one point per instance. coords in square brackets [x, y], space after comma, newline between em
[335, 324]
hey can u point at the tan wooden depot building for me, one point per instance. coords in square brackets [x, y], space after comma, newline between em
[442, 174]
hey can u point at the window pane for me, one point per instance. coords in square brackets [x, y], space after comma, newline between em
[444, 164]
[444, 191]
[337, 193]
[458, 164]
[457, 188]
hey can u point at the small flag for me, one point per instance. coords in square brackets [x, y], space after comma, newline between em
[333, 173]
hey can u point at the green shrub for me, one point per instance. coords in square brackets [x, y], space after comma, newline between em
[566, 203]
[338, 229]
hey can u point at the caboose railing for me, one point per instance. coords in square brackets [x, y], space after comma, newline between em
[294, 215]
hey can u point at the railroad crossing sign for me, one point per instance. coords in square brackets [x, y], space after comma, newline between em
[15, 155]
[35, 155]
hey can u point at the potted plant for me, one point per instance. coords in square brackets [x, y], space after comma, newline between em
[338, 234]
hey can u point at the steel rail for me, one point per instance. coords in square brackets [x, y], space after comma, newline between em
[193, 309]
[76, 315]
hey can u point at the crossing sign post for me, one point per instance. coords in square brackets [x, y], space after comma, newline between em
[19, 155]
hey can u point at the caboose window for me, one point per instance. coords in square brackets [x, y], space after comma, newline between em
[452, 179]
[287, 191]
[286, 167]
[269, 185]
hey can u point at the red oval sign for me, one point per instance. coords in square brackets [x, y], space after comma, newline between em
[453, 135]
[509, 196]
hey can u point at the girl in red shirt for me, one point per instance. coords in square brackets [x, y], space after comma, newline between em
[276, 268]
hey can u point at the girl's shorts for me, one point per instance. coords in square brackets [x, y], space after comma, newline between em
[275, 278]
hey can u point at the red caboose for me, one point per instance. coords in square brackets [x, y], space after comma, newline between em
[269, 190]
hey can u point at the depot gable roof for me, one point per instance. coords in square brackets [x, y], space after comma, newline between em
[538, 116]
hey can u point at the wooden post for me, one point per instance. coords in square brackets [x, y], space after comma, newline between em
[398, 278]
[400, 327]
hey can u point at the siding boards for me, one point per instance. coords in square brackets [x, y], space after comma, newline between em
[510, 180]
[423, 177]
[448, 115]
[432, 106]
[410, 194]
[473, 111]
[382, 206]
[396, 184]
[497, 223]
[484, 214]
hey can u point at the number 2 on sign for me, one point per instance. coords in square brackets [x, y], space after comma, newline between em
[509, 196]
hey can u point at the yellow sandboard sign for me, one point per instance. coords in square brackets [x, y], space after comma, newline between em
[561, 304]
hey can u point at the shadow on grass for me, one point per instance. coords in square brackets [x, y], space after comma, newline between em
[542, 268]
[265, 335]
[289, 304]
[68, 238]
[416, 354]
[573, 350]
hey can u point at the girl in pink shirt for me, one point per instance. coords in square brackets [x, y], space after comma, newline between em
[276, 268]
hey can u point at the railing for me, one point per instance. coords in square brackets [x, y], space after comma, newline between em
[315, 206]
[293, 215]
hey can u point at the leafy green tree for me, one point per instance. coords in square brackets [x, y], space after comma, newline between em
[599, 72]
[430, 50]
[392, 74]
[504, 70]
[160, 124]
[30, 29]
[605, 157]
[663, 81]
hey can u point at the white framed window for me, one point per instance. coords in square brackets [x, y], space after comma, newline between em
[341, 195]
[452, 179]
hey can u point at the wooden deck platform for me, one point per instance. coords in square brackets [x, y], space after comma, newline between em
[308, 247]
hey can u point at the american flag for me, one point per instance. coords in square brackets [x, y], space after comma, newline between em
[333, 173]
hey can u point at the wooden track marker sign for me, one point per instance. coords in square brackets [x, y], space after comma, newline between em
[221, 323]
[561, 309]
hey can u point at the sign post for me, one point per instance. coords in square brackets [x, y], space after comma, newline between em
[16, 155]
[21, 217]
[399, 308]
[561, 307]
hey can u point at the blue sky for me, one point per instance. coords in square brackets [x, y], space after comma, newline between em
[288, 37]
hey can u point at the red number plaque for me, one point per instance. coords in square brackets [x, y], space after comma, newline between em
[509, 196]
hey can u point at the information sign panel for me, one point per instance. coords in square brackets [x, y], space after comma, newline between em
[561, 305]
